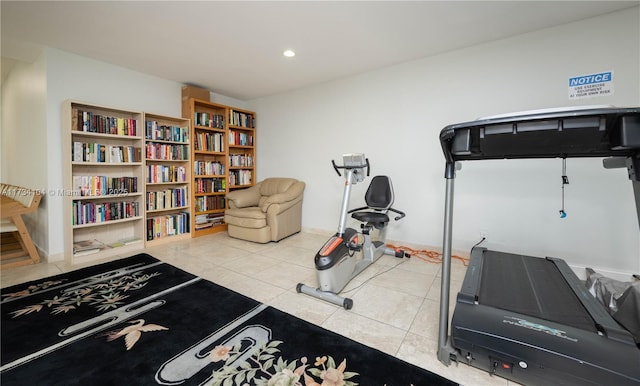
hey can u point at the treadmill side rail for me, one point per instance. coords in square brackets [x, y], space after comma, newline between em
[604, 322]
[469, 290]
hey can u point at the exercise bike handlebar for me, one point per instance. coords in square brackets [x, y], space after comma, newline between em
[401, 213]
[365, 165]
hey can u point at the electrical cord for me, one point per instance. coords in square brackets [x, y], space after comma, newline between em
[433, 256]
[422, 254]
[374, 276]
[479, 242]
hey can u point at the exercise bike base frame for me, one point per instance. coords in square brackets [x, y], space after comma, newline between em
[325, 295]
[335, 278]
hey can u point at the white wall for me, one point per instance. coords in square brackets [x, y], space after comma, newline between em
[24, 149]
[33, 96]
[78, 78]
[70, 76]
[394, 116]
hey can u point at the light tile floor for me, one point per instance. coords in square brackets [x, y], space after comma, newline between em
[396, 302]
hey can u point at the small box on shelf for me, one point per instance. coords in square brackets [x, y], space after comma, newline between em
[189, 91]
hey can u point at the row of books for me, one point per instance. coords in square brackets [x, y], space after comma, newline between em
[240, 160]
[210, 185]
[209, 120]
[89, 247]
[168, 225]
[204, 221]
[166, 173]
[96, 152]
[208, 168]
[237, 118]
[163, 151]
[104, 185]
[209, 142]
[167, 199]
[240, 138]
[240, 177]
[154, 131]
[99, 212]
[203, 204]
[95, 123]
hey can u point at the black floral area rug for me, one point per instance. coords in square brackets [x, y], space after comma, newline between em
[139, 321]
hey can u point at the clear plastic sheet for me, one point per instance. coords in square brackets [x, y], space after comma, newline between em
[621, 299]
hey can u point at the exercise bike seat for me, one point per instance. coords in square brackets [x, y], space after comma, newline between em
[379, 198]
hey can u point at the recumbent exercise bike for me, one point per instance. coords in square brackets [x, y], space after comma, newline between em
[337, 261]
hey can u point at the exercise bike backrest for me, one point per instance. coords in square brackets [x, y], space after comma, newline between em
[379, 198]
[379, 195]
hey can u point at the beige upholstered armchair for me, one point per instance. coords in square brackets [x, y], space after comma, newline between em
[268, 211]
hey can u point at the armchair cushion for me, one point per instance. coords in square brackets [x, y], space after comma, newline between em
[252, 217]
[244, 198]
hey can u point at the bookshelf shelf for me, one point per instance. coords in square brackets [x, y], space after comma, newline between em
[103, 153]
[212, 211]
[209, 152]
[166, 183]
[167, 177]
[166, 142]
[207, 128]
[167, 209]
[107, 196]
[87, 134]
[149, 160]
[202, 194]
[108, 222]
[223, 141]
[79, 163]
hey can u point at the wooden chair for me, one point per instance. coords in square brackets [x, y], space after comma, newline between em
[17, 248]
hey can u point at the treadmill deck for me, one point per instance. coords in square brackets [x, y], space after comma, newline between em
[530, 286]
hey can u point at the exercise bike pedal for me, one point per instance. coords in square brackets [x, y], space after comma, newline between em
[354, 247]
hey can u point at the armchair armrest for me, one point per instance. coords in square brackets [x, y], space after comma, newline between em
[291, 196]
[244, 198]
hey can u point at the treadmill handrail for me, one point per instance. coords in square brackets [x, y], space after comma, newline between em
[463, 141]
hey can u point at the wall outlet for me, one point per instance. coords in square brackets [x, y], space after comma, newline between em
[484, 235]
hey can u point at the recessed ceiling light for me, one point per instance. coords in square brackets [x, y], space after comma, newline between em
[289, 54]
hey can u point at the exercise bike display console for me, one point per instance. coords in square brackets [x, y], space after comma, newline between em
[530, 319]
[349, 252]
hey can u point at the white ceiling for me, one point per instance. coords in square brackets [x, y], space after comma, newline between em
[235, 48]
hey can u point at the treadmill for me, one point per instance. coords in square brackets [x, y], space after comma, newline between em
[530, 319]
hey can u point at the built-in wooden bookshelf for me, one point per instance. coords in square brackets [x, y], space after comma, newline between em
[241, 160]
[103, 181]
[223, 158]
[167, 178]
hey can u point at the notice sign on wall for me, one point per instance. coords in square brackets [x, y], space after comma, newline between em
[592, 85]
